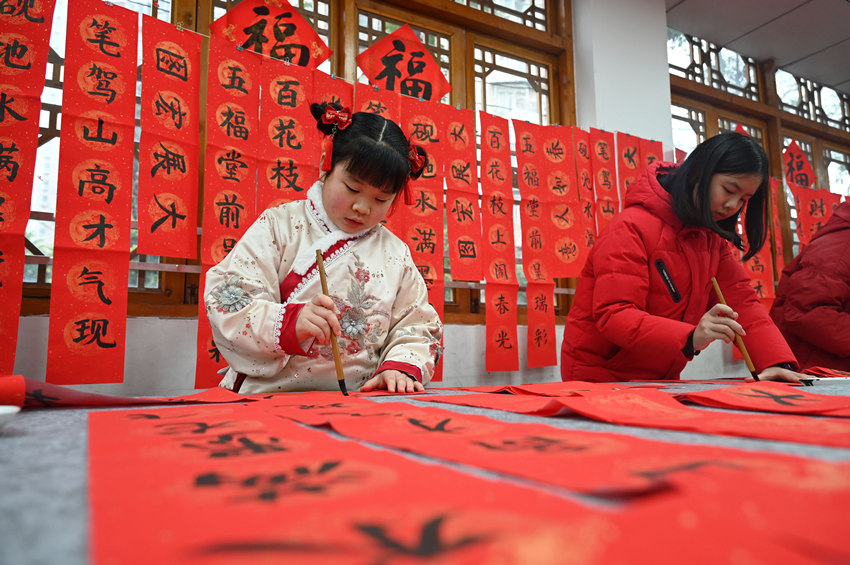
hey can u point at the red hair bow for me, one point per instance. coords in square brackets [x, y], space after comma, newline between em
[341, 119]
[417, 160]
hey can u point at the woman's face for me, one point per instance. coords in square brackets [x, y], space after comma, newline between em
[351, 204]
[729, 192]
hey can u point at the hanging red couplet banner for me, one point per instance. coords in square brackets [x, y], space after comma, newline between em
[274, 29]
[502, 349]
[603, 159]
[541, 346]
[208, 359]
[288, 138]
[559, 178]
[650, 152]
[777, 193]
[233, 88]
[463, 214]
[814, 208]
[798, 168]
[759, 266]
[535, 202]
[401, 63]
[628, 160]
[169, 146]
[374, 100]
[88, 305]
[24, 40]
[587, 197]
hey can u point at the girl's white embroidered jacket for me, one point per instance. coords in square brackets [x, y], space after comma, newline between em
[253, 297]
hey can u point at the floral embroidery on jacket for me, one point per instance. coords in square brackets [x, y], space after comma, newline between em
[229, 296]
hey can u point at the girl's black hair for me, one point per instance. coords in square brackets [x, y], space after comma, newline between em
[373, 148]
[727, 153]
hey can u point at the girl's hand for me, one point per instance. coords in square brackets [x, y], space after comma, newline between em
[317, 319]
[717, 323]
[392, 381]
[778, 374]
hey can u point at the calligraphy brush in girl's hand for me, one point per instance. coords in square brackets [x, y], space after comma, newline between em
[334, 345]
[738, 340]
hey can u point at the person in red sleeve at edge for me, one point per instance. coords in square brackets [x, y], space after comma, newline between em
[812, 307]
[645, 303]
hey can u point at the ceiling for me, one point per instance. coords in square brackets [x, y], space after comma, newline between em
[807, 38]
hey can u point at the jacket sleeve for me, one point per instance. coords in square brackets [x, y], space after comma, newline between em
[816, 305]
[415, 329]
[764, 341]
[242, 300]
[620, 298]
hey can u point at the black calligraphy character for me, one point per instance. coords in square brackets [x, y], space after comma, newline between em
[376, 107]
[425, 241]
[232, 163]
[608, 208]
[425, 271]
[466, 249]
[173, 109]
[7, 8]
[759, 288]
[288, 174]
[756, 266]
[256, 32]
[286, 95]
[269, 487]
[98, 183]
[99, 137]
[494, 171]
[38, 397]
[236, 445]
[390, 62]
[586, 181]
[494, 139]
[99, 231]
[229, 211]
[582, 150]
[503, 340]
[561, 185]
[14, 52]
[227, 244]
[214, 353]
[602, 151]
[541, 337]
[535, 239]
[589, 237]
[537, 271]
[793, 399]
[530, 176]
[170, 160]
[817, 208]
[502, 305]
[429, 545]
[7, 160]
[234, 80]
[540, 444]
[286, 130]
[532, 208]
[526, 147]
[555, 150]
[93, 331]
[93, 277]
[439, 427]
[606, 179]
[288, 51]
[5, 100]
[170, 212]
[541, 304]
[629, 155]
[588, 213]
[102, 37]
[424, 132]
[423, 202]
[569, 250]
[103, 83]
[234, 123]
[794, 169]
[460, 172]
[417, 88]
[498, 241]
[497, 206]
[563, 216]
[172, 64]
[462, 213]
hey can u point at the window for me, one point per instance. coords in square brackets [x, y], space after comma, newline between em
[813, 101]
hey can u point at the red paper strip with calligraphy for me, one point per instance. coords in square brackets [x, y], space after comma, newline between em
[88, 306]
[169, 147]
[603, 160]
[24, 38]
[502, 350]
[814, 208]
[798, 168]
[769, 396]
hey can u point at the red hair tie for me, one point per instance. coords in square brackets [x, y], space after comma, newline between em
[417, 160]
[340, 119]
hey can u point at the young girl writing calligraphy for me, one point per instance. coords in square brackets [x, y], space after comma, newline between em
[645, 303]
[269, 317]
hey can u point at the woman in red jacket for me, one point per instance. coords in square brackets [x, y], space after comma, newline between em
[812, 307]
[645, 303]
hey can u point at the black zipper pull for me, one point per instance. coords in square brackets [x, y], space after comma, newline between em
[668, 280]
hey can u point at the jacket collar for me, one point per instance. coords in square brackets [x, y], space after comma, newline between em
[648, 193]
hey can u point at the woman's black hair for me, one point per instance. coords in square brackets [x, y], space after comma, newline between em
[727, 153]
[373, 148]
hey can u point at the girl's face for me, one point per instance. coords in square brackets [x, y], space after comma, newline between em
[351, 204]
[729, 192]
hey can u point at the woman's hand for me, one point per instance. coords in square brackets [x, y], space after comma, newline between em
[779, 374]
[317, 319]
[392, 381]
[717, 323]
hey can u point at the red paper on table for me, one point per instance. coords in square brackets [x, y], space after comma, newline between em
[648, 408]
[169, 147]
[401, 63]
[650, 152]
[88, 306]
[826, 372]
[230, 171]
[814, 208]
[628, 160]
[289, 144]
[541, 347]
[25, 39]
[210, 483]
[770, 396]
[798, 168]
[502, 347]
[777, 191]
[603, 160]
[274, 29]
[463, 213]
[374, 100]
[497, 200]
